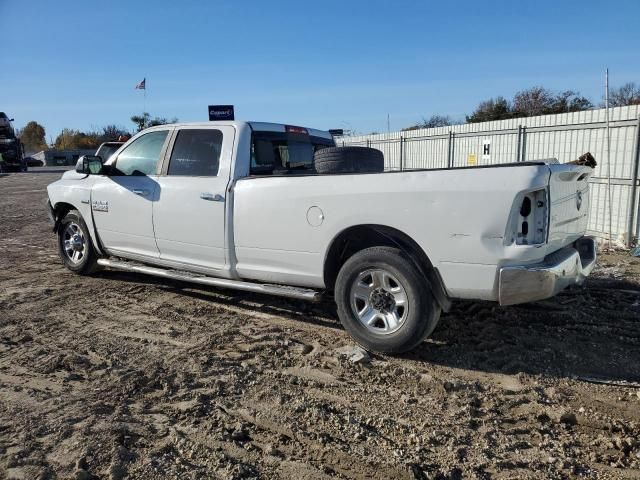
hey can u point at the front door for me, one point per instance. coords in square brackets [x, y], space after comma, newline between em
[189, 215]
[122, 202]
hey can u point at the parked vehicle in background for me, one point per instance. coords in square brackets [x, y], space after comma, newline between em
[6, 129]
[10, 146]
[279, 209]
[33, 162]
[107, 149]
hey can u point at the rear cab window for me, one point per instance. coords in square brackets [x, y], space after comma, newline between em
[285, 153]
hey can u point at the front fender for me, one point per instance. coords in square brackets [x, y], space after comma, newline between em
[73, 193]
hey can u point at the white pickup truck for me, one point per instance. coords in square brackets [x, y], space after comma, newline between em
[279, 209]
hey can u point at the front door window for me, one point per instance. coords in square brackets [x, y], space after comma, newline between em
[142, 155]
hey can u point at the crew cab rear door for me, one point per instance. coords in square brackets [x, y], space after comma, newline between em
[189, 215]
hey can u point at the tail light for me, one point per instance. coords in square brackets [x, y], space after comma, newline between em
[529, 218]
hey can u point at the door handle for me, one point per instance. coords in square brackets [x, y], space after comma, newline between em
[211, 197]
[142, 193]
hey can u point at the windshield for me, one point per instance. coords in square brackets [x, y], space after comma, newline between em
[280, 153]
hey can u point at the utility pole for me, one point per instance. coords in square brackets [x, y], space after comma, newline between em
[606, 104]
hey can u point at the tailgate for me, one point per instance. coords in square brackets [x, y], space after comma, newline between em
[569, 199]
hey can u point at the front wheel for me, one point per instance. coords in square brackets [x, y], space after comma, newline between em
[384, 301]
[74, 244]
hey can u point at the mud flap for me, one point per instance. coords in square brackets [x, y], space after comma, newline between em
[53, 221]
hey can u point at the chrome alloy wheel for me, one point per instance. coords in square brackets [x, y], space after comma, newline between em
[73, 242]
[379, 301]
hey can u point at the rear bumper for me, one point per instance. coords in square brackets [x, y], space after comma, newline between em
[568, 266]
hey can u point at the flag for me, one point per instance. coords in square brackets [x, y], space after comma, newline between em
[142, 85]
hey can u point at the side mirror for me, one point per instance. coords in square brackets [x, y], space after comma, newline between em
[11, 120]
[89, 165]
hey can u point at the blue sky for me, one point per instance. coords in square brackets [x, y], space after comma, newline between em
[327, 64]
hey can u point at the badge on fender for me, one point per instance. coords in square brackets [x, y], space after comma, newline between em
[100, 206]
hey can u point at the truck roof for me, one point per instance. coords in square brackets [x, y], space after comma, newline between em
[259, 126]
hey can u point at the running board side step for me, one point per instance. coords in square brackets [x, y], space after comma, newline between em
[269, 289]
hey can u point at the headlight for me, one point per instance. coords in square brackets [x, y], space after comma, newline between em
[7, 140]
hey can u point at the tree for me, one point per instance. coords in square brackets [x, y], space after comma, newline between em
[627, 94]
[540, 101]
[528, 103]
[33, 137]
[570, 101]
[145, 121]
[111, 133]
[432, 122]
[492, 109]
[70, 139]
[532, 102]
[141, 121]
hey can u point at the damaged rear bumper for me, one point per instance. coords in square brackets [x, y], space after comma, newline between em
[568, 266]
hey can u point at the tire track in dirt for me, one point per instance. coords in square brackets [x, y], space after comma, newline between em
[122, 376]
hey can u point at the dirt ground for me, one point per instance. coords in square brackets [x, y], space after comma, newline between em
[123, 376]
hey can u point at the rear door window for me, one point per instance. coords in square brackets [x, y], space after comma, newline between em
[196, 153]
[283, 153]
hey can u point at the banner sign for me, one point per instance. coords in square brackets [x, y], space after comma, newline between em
[221, 112]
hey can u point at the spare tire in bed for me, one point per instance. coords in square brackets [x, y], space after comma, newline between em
[348, 160]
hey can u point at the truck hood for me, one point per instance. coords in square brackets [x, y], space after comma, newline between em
[73, 175]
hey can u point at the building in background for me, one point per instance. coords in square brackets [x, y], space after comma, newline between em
[60, 157]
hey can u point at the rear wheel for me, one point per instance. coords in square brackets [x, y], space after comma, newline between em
[384, 301]
[74, 244]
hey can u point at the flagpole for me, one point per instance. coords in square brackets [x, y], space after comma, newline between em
[144, 109]
[143, 86]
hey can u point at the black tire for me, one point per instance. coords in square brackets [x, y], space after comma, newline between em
[348, 160]
[88, 261]
[24, 166]
[423, 311]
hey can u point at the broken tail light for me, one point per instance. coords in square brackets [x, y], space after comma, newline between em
[529, 218]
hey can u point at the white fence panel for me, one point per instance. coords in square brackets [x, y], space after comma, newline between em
[563, 136]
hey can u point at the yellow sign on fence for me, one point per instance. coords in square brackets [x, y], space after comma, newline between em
[472, 160]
